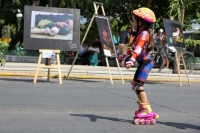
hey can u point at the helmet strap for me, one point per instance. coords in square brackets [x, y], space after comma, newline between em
[137, 30]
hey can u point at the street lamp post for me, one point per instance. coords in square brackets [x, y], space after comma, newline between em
[19, 18]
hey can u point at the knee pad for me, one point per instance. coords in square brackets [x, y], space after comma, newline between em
[136, 89]
[133, 86]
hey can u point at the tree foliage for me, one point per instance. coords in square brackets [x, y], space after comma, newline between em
[117, 10]
[189, 8]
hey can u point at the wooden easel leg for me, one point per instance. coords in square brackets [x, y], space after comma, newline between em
[185, 69]
[119, 70]
[72, 65]
[96, 8]
[178, 67]
[48, 73]
[59, 71]
[109, 70]
[102, 8]
[37, 69]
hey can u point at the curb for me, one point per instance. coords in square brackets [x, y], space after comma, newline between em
[149, 79]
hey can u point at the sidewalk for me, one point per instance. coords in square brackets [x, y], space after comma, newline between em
[93, 72]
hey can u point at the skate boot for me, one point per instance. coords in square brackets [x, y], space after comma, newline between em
[139, 110]
[145, 116]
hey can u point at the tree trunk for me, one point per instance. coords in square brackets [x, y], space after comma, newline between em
[55, 3]
[149, 3]
[182, 13]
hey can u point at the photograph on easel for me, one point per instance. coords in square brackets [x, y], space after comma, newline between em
[51, 28]
[48, 25]
[105, 36]
[174, 33]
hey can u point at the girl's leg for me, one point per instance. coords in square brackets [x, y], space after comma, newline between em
[144, 105]
[142, 95]
[142, 98]
[141, 78]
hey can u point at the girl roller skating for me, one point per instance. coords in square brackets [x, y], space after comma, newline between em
[142, 20]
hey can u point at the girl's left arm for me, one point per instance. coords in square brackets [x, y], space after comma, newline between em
[141, 41]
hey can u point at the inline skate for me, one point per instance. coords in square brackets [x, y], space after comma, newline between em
[145, 115]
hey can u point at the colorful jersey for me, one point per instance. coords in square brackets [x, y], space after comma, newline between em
[139, 48]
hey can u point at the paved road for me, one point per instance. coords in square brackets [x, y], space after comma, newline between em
[94, 106]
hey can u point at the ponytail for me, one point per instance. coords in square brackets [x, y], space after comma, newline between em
[151, 41]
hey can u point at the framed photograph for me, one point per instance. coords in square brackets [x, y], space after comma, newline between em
[105, 36]
[51, 28]
[174, 33]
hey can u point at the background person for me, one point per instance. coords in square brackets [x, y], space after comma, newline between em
[197, 51]
[83, 52]
[94, 51]
[123, 42]
[116, 42]
[157, 38]
[164, 54]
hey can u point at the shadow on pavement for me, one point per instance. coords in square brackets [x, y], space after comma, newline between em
[83, 80]
[183, 126]
[26, 80]
[93, 118]
[154, 82]
[147, 82]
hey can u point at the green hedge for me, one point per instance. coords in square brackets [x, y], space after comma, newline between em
[3, 47]
[191, 43]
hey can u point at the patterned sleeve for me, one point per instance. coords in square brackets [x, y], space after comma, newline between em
[141, 39]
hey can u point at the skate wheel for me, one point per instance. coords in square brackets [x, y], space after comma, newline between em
[136, 121]
[153, 121]
[142, 122]
[148, 122]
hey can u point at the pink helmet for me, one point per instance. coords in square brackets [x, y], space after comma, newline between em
[146, 14]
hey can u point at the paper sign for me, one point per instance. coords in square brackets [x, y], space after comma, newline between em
[107, 52]
[48, 54]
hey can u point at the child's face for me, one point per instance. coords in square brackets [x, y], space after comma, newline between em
[134, 23]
